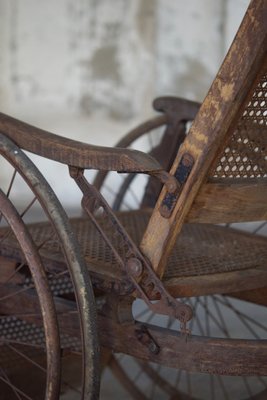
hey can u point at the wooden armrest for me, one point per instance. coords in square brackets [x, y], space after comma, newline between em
[176, 108]
[75, 153]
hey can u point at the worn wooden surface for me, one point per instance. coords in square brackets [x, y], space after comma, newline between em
[228, 282]
[202, 354]
[74, 153]
[221, 356]
[255, 296]
[216, 118]
[230, 201]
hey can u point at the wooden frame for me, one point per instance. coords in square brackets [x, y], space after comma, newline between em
[212, 127]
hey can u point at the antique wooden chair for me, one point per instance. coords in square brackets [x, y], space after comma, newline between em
[172, 260]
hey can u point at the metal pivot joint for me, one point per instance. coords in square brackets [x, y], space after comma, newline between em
[144, 336]
[139, 271]
[181, 174]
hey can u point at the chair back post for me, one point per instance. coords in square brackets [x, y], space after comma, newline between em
[212, 126]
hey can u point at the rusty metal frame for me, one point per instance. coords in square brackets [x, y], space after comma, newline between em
[140, 273]
[77, 268]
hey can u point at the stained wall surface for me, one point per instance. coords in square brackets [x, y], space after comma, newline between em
[89, 69]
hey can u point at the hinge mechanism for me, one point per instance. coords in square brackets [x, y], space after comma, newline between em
[181, 174]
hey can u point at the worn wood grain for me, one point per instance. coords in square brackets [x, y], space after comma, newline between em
[210, 355]
[215, 121]
[230, 201]
[217, 283]
[202, 354]
[256, 296]
[73, 152]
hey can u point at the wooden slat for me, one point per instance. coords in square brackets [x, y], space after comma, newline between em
[223, 283]
[256, 296]
[215, 120]
[196, 354]
[230, 201]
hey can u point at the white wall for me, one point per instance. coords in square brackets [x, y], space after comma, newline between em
[89, 69]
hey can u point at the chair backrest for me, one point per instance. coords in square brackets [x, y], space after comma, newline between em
[221, 165]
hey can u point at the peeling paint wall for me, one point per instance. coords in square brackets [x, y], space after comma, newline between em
[90, 69]
[188, 45]
[83, 55]
[111, 56]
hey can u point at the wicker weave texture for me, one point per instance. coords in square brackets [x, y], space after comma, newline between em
[245, 155]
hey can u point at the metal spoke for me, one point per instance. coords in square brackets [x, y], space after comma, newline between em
[209, 314]
[128, 383]
[220, 316]
[153, 389]
[21, 265]
[243, 317]
[13, 387]
[8, 296]
[221, 383]
[130, 190]
[198, 323]
[138, 375]
[19, 315]
[207, 322]
[11, 183]
[111, 191]
[26, 358]
[188, 383]
[212, 387]
[21, 343]
[247, 385]
[141, 314]
[262, 381]
[158, 380]
[177, 380]
[9, 189]
[194, 307]
[28, 207]
[7, 378]
[6, 235]
[259, 228]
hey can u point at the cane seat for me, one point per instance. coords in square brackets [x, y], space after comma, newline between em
[206, 258]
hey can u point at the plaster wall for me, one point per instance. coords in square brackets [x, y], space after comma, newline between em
[89, 69]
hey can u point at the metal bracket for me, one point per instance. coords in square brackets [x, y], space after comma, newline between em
[181, 174]
[142, 276]
[144, 337]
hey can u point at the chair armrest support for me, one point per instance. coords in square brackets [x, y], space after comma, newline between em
[176, 109]
[75, 153]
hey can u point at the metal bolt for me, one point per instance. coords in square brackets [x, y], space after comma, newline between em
[153, 347]
[187, 160]
[134, 266]
[165, 211]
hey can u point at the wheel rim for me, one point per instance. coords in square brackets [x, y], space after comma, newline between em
[80, 347]
[12, 291]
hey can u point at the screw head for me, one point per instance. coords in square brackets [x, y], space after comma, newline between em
[134, 266]
[153, 347]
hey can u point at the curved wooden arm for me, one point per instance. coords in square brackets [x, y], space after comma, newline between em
[74, 153]
[176, 109]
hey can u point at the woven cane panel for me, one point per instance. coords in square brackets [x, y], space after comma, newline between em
[20, 335]
[29, 340]
[200, 249]
[207, 249]
[246, 153]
